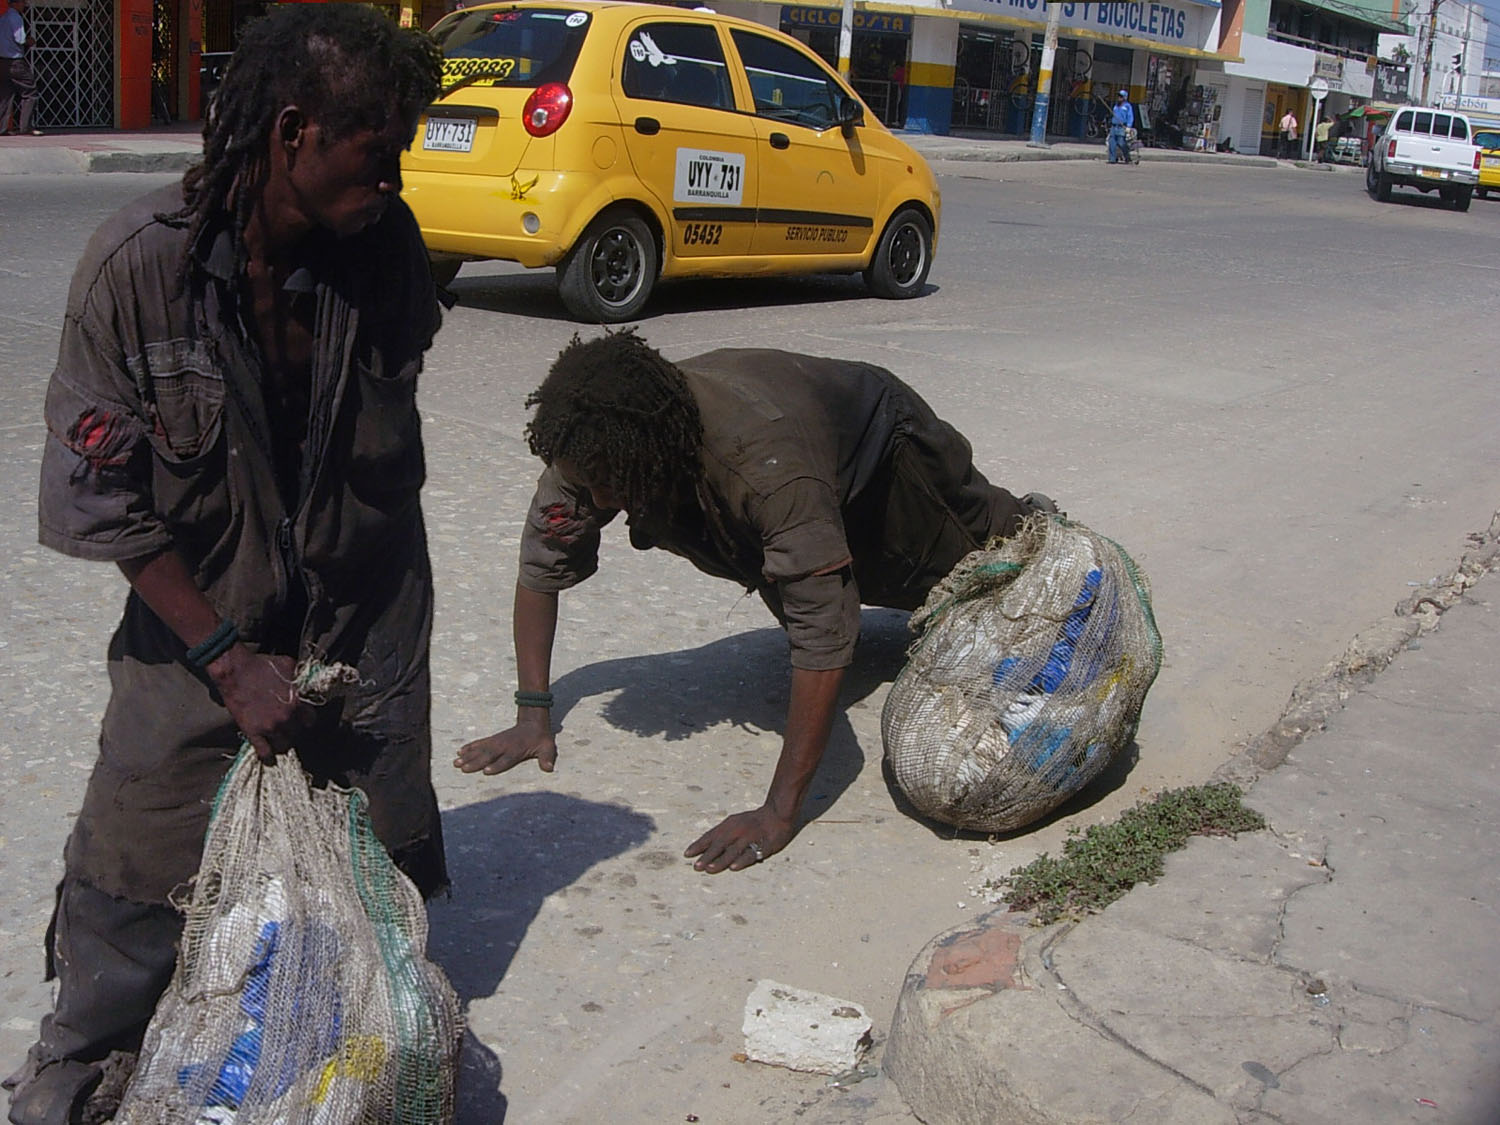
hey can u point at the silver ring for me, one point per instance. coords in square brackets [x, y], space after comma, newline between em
[756, 851]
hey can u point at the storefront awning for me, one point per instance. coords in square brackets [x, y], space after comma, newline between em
[1018, 23]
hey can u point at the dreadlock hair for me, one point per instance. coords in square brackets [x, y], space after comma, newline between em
[344, 65]
[617, 408]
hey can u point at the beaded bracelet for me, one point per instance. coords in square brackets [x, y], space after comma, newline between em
[215, 645]
[533, 699]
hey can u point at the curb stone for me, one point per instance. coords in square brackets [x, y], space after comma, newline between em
[1315, 699]
[941, 1015]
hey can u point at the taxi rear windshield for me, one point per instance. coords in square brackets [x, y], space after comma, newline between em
[513, 47]
[1487, 138]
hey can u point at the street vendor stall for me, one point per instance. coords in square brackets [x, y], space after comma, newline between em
[1357, 131]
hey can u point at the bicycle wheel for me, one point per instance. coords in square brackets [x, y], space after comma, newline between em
[1083, 63]
[1020, 92]
[1020, 55]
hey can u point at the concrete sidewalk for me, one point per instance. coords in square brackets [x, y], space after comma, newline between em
[173, 148]
[1343, 966]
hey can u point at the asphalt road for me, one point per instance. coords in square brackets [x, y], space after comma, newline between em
[1277, 394]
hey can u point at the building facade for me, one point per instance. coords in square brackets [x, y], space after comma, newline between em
[130, 64]
[1447, 46]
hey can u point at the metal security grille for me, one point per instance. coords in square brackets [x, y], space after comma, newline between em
[73, 55]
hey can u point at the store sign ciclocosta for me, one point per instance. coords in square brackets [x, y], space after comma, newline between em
[1180, 24]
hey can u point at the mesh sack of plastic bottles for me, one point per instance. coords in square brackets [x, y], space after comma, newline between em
[302, 992]
[1033, 661]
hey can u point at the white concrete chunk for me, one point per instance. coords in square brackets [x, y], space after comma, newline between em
[802, 1030]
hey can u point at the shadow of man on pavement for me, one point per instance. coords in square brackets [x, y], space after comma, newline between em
[505, 857]
[741, 681]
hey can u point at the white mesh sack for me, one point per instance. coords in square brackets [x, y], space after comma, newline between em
[302, 992]
[1032, 662]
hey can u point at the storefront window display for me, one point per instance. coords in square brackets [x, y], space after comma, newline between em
[880, 50]
[1168, 93]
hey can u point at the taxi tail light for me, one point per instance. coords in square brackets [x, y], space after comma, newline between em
[547, 109]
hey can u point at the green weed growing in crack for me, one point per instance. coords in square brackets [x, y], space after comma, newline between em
[1102, 863]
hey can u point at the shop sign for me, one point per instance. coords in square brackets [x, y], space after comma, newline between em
[1470, 103]
[1392, 81]
[879, 23]
[1330, 67]
[1176, 23]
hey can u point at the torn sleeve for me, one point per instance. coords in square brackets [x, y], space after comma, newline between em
[95, 495]
[560, 540]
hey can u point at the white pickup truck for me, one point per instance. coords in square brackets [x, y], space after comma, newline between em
[1428, 149]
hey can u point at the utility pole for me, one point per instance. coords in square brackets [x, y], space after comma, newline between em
[1044, 77]
[846, 38]
[1427, 55]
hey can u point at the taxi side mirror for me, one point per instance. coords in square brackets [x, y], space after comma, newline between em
[851, 113]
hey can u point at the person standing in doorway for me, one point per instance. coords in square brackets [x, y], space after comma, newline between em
[1121, 121]
[17, 80]
[1288, 135]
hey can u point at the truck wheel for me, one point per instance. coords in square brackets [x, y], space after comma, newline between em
[1461, 197]
[1383, 187]
[1372, 180]
[608, 275]
[902, 257]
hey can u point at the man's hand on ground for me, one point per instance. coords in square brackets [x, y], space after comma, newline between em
[260, 695]
[509, 748]
[740, 841]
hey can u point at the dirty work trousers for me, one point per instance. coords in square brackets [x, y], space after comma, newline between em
[17, 84]
[121, 955]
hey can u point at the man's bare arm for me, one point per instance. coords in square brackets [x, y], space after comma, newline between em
[748, 837]
[256, 690]
[534, 627]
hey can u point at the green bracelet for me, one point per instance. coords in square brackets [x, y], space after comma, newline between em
[533, 699]
[215, 645]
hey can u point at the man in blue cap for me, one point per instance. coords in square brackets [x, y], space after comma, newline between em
[1120, 120]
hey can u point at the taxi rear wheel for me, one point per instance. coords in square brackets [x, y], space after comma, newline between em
[609, 275]
[902, 258]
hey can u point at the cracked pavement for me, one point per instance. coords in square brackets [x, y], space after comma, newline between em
[1340, 966]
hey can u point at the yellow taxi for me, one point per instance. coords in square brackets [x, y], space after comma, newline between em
[626, 143]
[1487, 137]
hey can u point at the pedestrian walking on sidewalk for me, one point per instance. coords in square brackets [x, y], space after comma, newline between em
[1288, 135]
[17, 79]
[1321, 134]
[821, 484]
[232, 422]
[1121, 123]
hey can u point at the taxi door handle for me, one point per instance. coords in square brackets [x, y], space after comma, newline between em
[780, 140]
[648, 126]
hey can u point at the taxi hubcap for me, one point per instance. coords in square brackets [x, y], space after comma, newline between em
[906, 255]
[617, 267]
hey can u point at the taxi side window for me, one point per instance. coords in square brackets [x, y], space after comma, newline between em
[786, 84]
[677, 62]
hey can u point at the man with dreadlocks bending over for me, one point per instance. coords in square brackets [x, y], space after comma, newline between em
[821, 484]
[232, 422]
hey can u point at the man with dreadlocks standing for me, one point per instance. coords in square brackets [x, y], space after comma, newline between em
[232, 422]
[821, 484]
